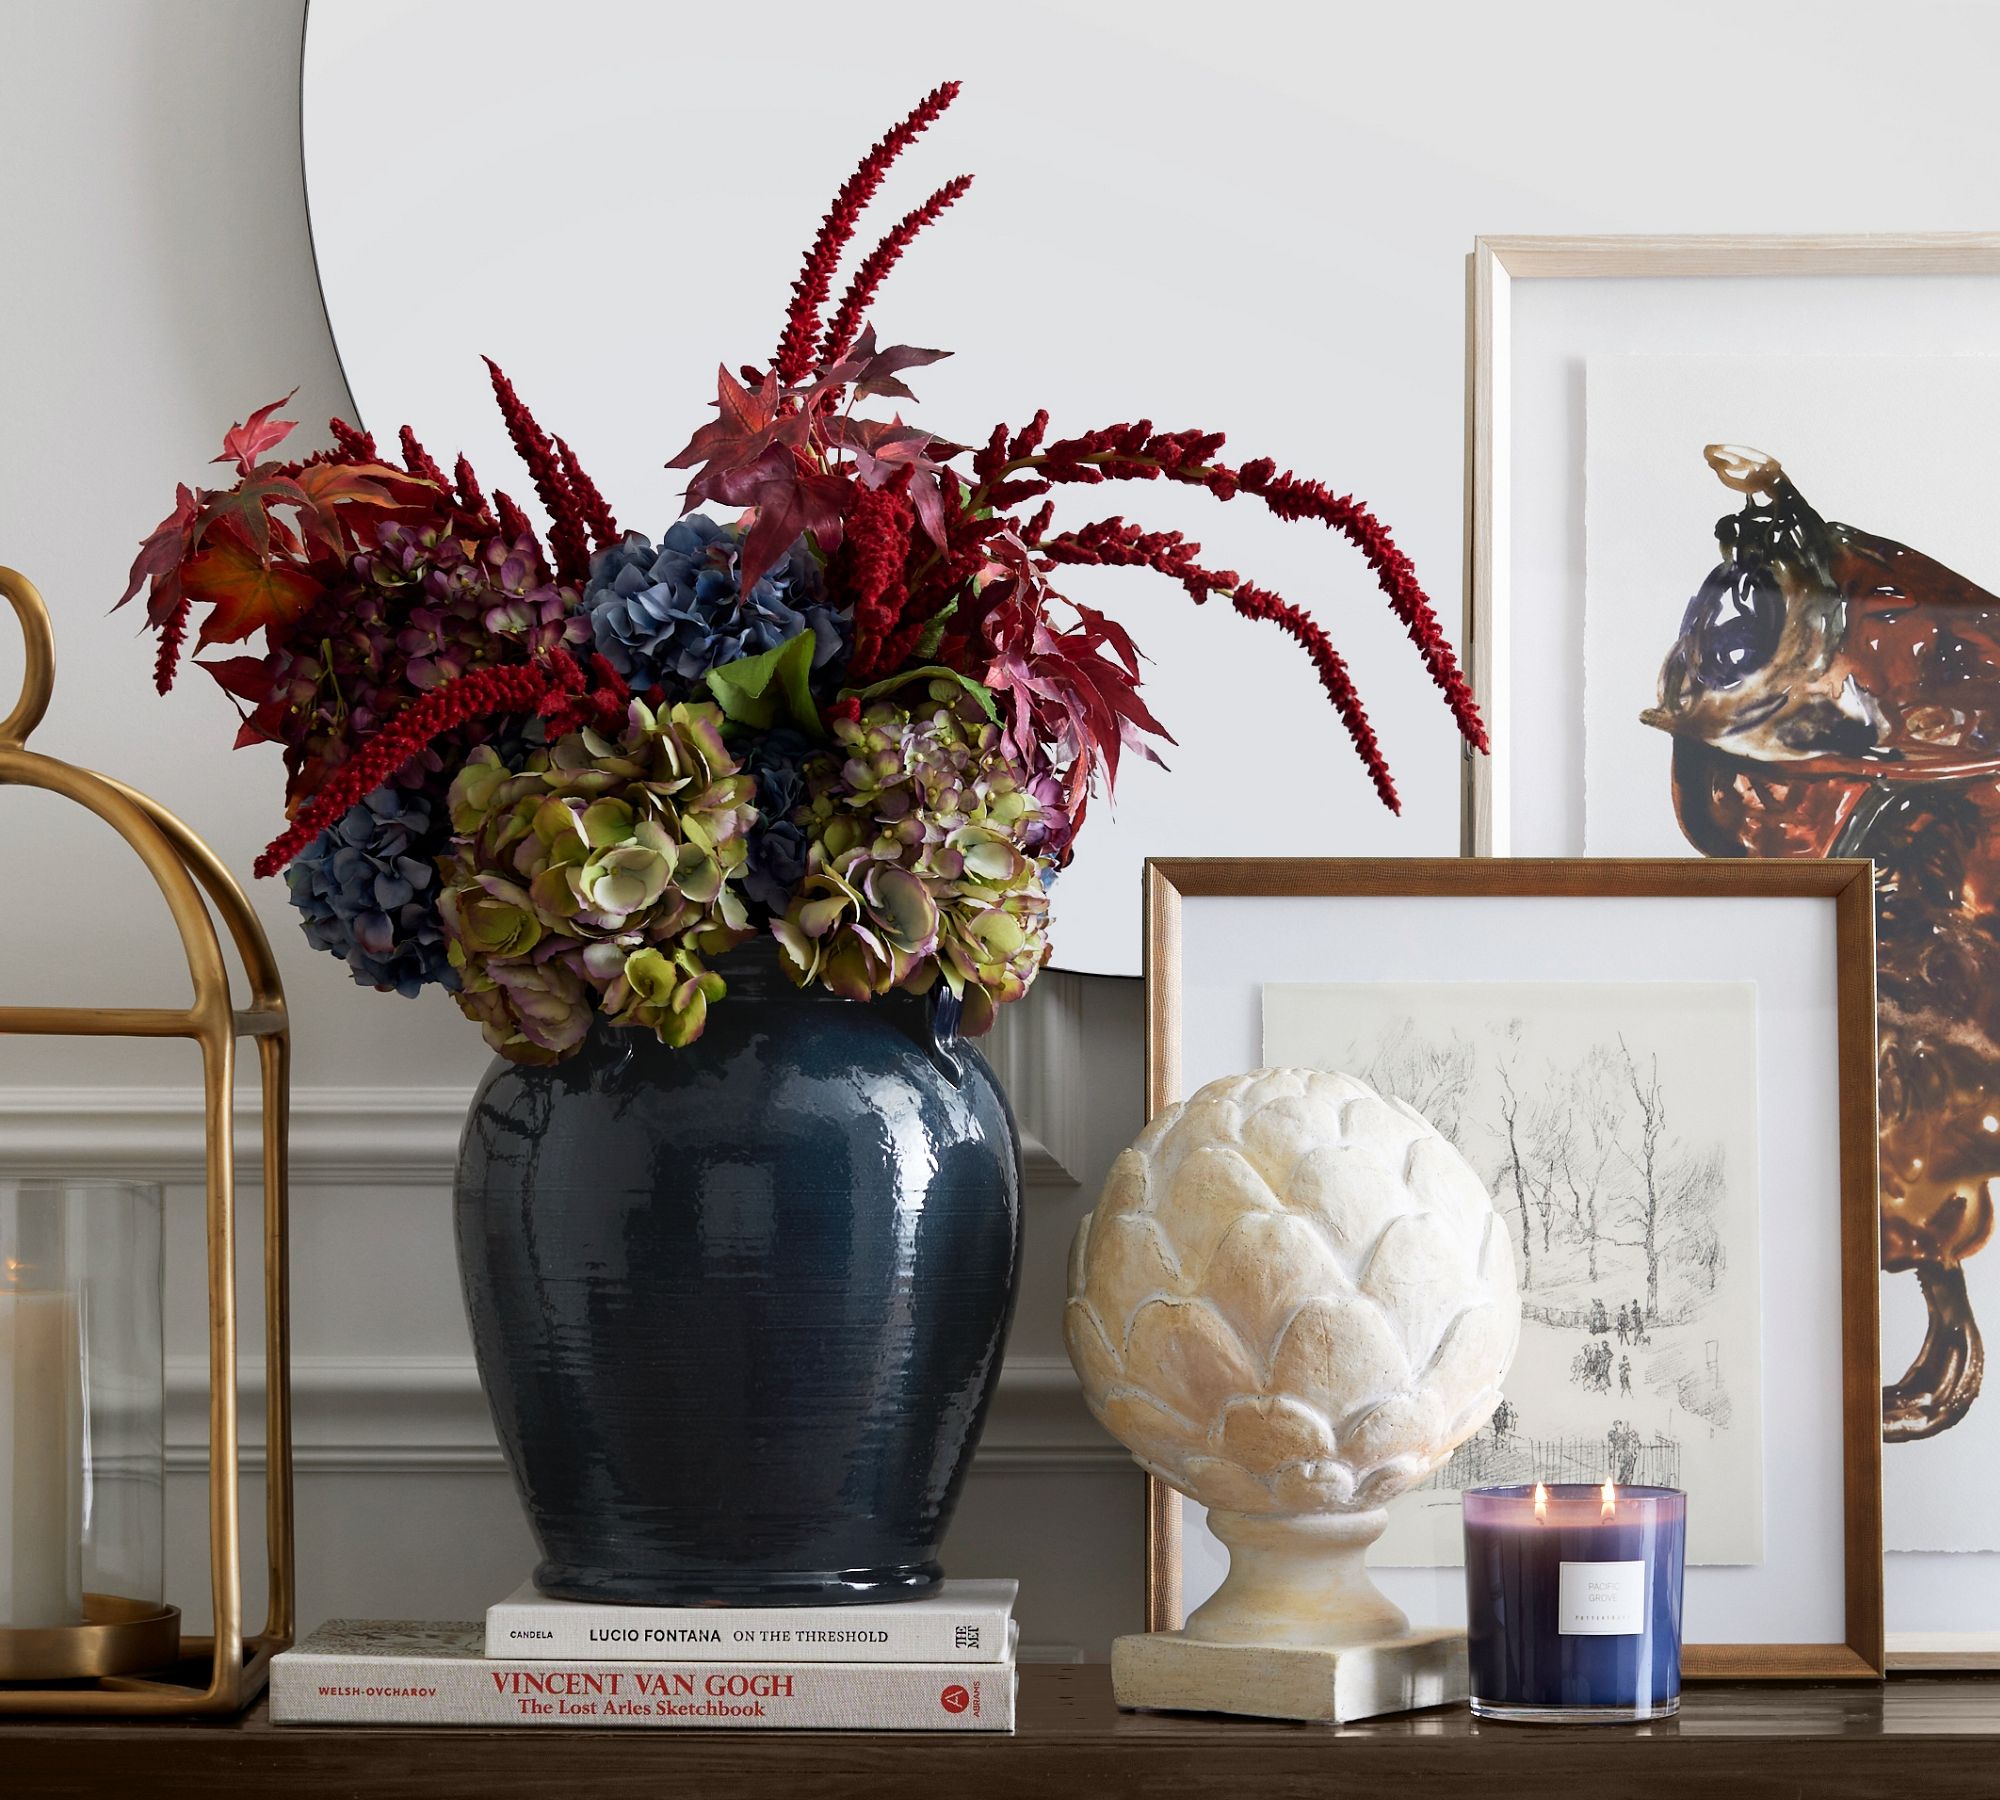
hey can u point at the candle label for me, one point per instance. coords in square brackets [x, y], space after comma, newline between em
[1601, 1599]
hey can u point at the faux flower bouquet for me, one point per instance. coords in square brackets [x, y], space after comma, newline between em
[559, 776]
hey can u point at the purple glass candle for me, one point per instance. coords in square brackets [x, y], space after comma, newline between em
[1573, 1601]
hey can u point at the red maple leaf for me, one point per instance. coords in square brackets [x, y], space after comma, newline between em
[161, 555]
[326, 487]
[871, 371]
[245, 509]
[246, 591]
[748, 427]
[787, 497]
[246, 677]
[245, 444]
[881, 447]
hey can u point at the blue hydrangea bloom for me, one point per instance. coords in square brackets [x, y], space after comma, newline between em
[777, 847]
[664, 616]
[366, 891]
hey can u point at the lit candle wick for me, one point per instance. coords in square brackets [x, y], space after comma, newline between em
[1610, 1509]
[1541, 1504]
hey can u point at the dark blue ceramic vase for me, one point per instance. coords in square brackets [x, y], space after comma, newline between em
[739, 1308]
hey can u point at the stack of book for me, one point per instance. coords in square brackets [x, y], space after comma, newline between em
[942, 1663]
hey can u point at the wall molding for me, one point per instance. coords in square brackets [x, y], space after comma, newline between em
[1036, 1049]
[339, 1134]
[360, 1415]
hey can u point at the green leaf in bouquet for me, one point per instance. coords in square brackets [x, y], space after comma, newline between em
[759, 690]
[927, 645]
[933, 672]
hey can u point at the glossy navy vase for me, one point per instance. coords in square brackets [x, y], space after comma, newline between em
[739, 1308]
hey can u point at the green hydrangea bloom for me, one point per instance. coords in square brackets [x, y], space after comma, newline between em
[600, 876]
[918, 865]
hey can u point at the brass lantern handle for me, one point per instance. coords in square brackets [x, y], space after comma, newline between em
[39, 678]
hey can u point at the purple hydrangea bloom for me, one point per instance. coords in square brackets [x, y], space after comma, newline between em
[664, 616]
[366, 891]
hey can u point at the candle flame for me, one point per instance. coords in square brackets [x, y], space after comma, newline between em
[1541, 1503]
[1610, 1509]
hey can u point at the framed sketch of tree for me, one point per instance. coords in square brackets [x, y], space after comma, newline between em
[1735, 591]
[1664, 1071]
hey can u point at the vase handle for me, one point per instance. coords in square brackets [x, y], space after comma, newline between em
[940, 1040]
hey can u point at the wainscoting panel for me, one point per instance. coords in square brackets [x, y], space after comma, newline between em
[404, 1504]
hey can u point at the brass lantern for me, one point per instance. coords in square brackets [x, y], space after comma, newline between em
[110, 1653]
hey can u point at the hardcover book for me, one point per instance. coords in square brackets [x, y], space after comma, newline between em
[392, 1672]
[961, 1622]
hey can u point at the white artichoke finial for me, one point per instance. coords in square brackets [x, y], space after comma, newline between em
[1294, 1297]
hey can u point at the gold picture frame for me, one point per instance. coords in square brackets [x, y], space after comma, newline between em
[1847, 886]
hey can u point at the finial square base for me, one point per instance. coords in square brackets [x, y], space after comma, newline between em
[1166, 1671]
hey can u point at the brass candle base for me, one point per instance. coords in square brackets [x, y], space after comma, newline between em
[117, 1637]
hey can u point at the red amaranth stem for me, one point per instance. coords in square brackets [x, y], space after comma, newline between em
[1117, 542]
[479, 693]
[1135, 452]
[1254, 602]
[869, 565]
[591, 505]
[514, 523]
[173, 632]
[846, 323]
[469, 496]
[418, 461]
[568, 544]
[1291, 497]
[355, 444]
[798, 342]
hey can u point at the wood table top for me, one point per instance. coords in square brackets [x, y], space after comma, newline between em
[1917, 1738]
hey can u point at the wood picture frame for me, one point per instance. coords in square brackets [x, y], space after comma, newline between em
[1846, 886]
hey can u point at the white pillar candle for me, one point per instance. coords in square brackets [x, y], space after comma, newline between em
[41, 1458]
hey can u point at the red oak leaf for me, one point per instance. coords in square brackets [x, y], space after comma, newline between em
[246, 592]
[1058, 687]
[246, 443]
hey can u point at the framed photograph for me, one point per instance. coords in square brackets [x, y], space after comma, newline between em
[1664, 1070]
[1735, 591]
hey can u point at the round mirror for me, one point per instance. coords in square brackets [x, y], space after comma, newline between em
[612, 199]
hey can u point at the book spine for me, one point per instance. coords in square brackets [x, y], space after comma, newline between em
[423, 1690]
[807, 1634]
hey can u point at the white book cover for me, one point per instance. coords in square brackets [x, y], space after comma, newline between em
[393, 1672]
[959, 1622]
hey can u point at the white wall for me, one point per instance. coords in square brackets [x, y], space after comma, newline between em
[156, 283]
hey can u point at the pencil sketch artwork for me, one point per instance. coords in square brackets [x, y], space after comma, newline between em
[1616, 1126]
